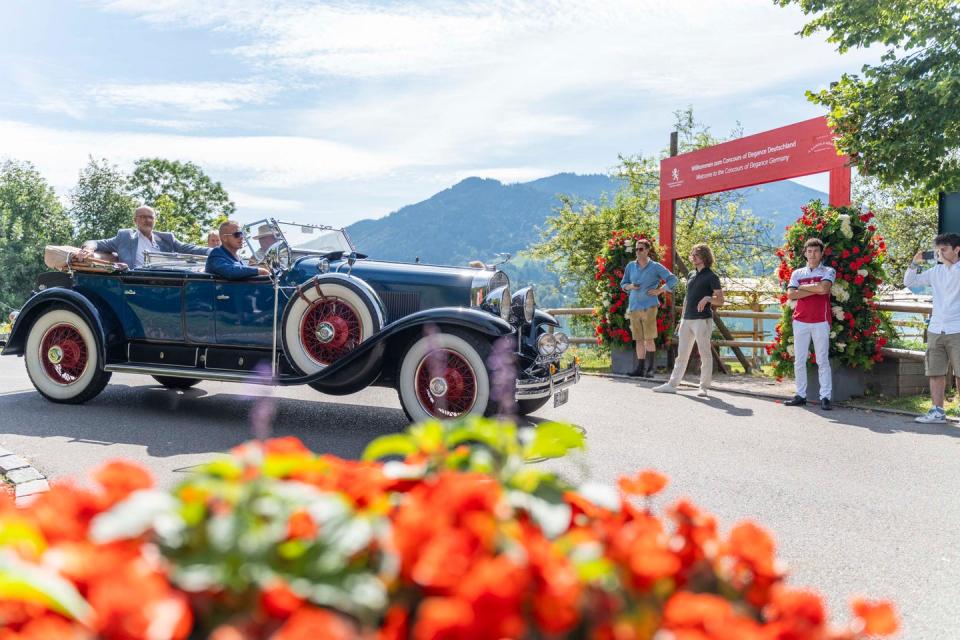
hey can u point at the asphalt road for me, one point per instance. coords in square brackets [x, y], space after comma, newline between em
[860, 503]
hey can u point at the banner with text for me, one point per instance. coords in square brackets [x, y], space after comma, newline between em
[779, 154]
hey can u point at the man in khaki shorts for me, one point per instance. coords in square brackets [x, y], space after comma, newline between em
[943, 333]
[642, 278]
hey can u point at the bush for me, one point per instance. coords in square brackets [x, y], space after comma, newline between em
[612, 326]
[453, 538]
[855, 249]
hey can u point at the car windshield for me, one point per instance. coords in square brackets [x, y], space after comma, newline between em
[299, 237]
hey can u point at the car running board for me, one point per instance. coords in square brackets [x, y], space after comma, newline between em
[190, 372]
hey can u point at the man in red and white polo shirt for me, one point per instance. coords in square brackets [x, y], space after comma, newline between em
[810, 288]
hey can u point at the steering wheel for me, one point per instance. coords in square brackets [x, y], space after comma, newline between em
[273, 256]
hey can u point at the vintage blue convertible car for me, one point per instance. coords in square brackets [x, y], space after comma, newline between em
[452, 341]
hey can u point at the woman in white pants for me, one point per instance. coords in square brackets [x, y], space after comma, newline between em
[704, 293]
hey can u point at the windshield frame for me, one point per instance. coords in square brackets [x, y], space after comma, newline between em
[278, 228]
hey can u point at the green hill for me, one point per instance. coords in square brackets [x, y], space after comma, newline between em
[477, 218]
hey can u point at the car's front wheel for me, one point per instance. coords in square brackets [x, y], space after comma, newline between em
[62, 359]
[445, 376]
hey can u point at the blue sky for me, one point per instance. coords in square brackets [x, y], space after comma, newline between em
[336, 111]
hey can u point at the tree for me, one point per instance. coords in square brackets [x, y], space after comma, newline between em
[100, 204]
[31, 217]
[906, 225]
[900, 121]
[187, 200]
[576, 235]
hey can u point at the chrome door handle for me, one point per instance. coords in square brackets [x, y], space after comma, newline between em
[223, 297]
[129, 292]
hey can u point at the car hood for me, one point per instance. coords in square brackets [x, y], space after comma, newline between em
[425, 285]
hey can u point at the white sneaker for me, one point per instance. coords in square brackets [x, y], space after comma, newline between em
[703, 393]
[934, 416]
[665, 388]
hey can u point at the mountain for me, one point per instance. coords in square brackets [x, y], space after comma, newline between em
[477, 218]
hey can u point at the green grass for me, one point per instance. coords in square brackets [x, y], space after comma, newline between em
[915, 404]
[591, 359]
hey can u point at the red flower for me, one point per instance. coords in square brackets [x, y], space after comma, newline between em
[845, 254]
[645, 483]
[856, 250]
[878, 618]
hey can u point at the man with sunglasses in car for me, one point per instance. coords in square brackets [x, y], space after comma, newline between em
[223, 260]
[129, 245]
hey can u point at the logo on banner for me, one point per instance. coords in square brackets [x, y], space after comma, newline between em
[675, 180]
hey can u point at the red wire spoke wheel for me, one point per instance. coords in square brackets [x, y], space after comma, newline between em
[446, 384]
[330, 328]
[63, 353]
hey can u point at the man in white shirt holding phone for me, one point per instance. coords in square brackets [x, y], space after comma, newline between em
[943, 333]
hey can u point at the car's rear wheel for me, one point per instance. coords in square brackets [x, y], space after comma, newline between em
[327, 321]
[62, 358]
[445, 376]
[171, 382]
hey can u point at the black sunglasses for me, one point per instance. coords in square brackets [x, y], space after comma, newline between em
[236, 234]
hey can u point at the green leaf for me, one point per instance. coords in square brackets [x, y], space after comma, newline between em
[395, 444]
[554, 440]
[19, 532]
[499, 436]
[28, 583]
[428, 436]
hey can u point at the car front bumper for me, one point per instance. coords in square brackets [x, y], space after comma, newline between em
[533, 388]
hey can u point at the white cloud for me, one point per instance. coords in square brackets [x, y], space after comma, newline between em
[184, 96]
[173, 125]
[257, 161]
[250, 204]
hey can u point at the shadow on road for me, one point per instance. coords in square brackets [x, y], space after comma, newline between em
[717, 403]
[883, 423]
[169, 422]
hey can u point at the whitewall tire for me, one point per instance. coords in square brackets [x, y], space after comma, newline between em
[319, 330]
[62, 358]
[444, 376]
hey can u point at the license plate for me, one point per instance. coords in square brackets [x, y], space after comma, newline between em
[561, 397]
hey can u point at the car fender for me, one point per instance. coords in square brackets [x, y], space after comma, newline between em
[102, 325]
[473, 319]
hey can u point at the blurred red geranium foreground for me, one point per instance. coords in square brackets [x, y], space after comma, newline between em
[453, 537]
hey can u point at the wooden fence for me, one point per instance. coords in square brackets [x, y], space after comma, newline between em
[758, 342]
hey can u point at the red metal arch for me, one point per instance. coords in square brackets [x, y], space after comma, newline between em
[779, 154]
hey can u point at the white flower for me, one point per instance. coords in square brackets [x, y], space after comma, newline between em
[845, 228]
[833, 334]
[862, 272]
[790, 349]
[841, 346]
[837, 311]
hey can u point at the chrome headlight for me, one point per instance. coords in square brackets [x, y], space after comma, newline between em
[483, 283]
[498, 302]
[547, 344]
[562, 341]
[524, 303]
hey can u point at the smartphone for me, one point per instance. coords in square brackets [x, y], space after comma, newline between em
[928, 255]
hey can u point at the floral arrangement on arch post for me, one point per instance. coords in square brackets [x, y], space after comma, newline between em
[612, 327]
[855, 249]
[453, 538]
